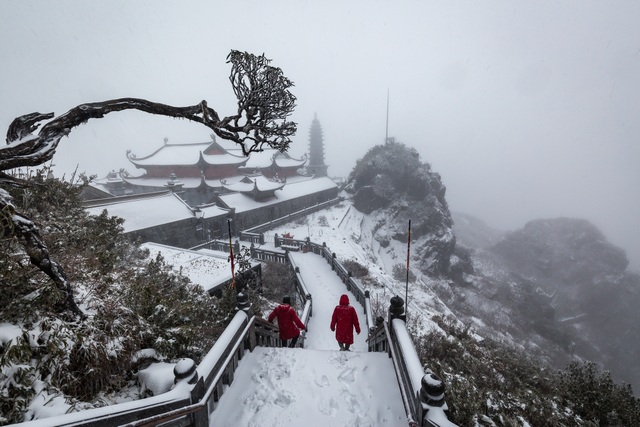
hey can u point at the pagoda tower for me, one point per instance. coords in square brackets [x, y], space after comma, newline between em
[316, 164]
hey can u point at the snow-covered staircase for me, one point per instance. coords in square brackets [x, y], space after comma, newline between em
[291, 387]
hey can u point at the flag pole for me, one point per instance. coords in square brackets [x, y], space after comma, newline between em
[406, 287]
[233, 274]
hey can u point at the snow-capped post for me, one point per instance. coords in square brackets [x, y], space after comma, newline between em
[432, 390]
[185, 369]
[333, 261]
[276, 241]
[396, 309]
[406, 286]
[307, 298]
[242, 303]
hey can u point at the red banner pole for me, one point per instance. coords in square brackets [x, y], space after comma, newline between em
[233, 274]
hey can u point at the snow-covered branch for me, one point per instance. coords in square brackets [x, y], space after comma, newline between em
[264, 103]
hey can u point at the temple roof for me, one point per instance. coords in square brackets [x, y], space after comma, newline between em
[267, 158]
[210, 153]
[243, 202]
[253, 184]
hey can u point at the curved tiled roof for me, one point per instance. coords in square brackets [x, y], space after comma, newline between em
[188, 155]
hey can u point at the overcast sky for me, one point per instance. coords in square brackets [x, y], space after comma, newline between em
[526, 109]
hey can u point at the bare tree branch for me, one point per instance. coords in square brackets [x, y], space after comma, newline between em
[264, 103]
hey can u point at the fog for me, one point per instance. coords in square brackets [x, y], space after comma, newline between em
[526, 109]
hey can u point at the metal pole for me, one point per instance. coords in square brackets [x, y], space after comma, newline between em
[386, 134]
[233, 274]
[406, 287]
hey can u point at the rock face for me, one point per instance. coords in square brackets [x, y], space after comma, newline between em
[391, 180]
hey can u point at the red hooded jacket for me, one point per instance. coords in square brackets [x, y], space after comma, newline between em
[343, 321]
[288, 321]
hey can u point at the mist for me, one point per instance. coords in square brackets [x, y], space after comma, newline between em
[527, 110]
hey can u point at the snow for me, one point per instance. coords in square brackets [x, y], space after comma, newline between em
[205, 267]
[145, 212]
[285, 387]
[157, 378]
[319, 384]
[9, 332]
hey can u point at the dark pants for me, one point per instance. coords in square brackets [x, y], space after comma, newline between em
[291, 344]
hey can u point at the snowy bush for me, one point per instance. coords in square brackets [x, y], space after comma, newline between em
[355, 268]
[400, 273]
[131, 303]
[323, 221]
[491, 383]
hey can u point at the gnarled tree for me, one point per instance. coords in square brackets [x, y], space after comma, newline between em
[264, 103]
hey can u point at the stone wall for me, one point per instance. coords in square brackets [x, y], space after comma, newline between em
[191, 231]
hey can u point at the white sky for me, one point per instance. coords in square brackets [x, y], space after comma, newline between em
[526, 109]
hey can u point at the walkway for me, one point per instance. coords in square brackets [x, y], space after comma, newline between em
[318, 385]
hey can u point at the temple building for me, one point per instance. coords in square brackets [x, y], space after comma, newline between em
[187, 193]
[201, 171]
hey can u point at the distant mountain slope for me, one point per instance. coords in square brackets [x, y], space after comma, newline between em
[560, 284]
[473, 232]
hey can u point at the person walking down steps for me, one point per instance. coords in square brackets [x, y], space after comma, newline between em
[289, 324]
[343, 321]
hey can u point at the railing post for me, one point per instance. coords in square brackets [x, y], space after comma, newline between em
[185, 369]
[308, 298]
[333, 261]
[396, 309]
[243, 303]
[432, 390]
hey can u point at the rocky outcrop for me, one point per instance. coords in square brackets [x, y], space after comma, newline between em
[392, 181]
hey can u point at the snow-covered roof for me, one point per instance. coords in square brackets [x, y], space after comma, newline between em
[283, 160]
[205, 267]
[145, 212]
[268, 157]
[243, 203]
[212, 211]
[187, 155]
[145, 181]
[250, 184]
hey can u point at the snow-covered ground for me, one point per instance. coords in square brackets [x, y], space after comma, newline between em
[318, 385]
[348, 233]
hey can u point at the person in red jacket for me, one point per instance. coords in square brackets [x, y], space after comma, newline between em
[289, 324]
[343, 321]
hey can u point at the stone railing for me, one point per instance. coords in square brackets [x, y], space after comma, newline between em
[422, 392]
[197, 389]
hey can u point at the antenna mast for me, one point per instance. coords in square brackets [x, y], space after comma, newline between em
[386, 135]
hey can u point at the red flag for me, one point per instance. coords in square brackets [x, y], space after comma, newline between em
[406, 287]
[233, 274]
